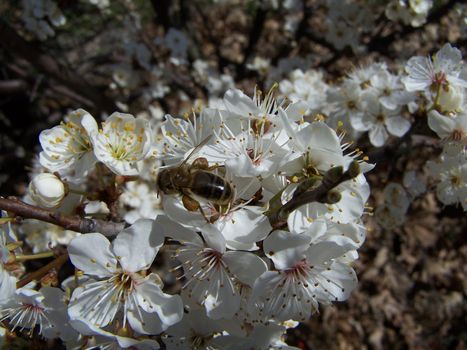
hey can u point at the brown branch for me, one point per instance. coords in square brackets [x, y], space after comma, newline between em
[36, 275]
[48, 65]
[55, 90]
[161, 8]
[12, 86]
[253, 38]
[73, 223]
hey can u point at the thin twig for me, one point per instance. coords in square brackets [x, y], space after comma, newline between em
[36, 275]
[253, 38]
[73, 223]
[52, 68]
[318, 194]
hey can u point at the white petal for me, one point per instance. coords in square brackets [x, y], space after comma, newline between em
[224, 303]
[169, 308]
[440, 124]
[320, 136]
[247, 267]
[301, 219]
[337, 282]
[175, 210]
[319, 253]
[92, 254]
[246, 225]
[236, 101]
[95, 302]
[397, 126]
[285, 249]
[295, 111]
[89, 123]
[137, 245]
[378, 135]
[172, 229]
[7, 286]
[420, 73]
[213, 237]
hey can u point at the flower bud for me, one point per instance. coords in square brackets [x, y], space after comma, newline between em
[47, 190]
[334, 173]
[451, 99]
[354, 169]
[333, 197]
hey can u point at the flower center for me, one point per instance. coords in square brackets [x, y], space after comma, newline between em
[440, 79]
[351, 105]
[299, 271]
[455, 181]
[380, 118]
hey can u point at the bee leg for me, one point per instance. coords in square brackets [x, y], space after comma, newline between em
[203, 164]
[193, 205]
[204, 215]
[200, 163]
[189, 203]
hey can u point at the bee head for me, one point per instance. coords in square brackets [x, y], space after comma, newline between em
[165, 183]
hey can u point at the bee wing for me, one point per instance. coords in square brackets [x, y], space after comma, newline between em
[201, 144]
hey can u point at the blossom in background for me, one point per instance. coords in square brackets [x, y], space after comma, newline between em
[396, 203]
[308, 87]
[39, 15]
[450, 128]
[142, 201]
[380, 121]
[41, 236]
[451, 172]
[176, 41]
[413, 12]
[442, 70]
[413, 183]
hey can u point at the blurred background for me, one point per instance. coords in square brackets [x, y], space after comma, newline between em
[151, 58]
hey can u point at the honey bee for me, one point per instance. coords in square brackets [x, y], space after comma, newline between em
[195, 180]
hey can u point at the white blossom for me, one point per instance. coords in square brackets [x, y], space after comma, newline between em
[305, 276]
[118, 282]
[122, 142]
[451, 171]
[442, 70]
[67, 148]
[449, 127]
[380, 121]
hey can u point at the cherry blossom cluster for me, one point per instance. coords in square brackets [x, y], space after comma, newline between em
[346, 22]
[409, 12]
[442, 82]
[370, 98]
[258, 220]
[385, 104]
[40, 16]
[248, 269]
